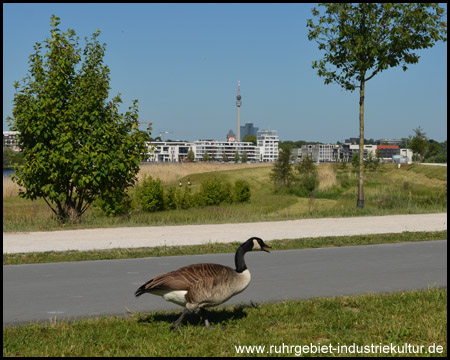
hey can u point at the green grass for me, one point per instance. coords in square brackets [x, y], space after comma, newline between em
[417, 317]
[431, 172]
[412, 190]
[216, 248]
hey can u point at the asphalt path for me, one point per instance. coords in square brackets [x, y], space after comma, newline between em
[105, 287]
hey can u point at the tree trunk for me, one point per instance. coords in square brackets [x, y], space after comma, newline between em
[360, 202]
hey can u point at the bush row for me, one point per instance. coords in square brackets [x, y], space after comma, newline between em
[152, 197]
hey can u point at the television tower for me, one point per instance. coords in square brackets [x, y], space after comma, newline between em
[238, 104]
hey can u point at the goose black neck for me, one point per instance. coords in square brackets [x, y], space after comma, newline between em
[239, 258]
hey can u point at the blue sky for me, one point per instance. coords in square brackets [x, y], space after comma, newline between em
[183, 61]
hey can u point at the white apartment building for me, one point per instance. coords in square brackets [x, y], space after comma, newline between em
[10, 140]
[267, 142]
[162, 151]
[216, 149]
[176, 151]
[347, 151]
[407, 154]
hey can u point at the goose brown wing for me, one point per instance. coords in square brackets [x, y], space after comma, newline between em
[185, 277]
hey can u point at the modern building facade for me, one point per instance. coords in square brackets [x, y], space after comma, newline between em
[407, 154]
[172, 151]
[389, 142]
[267, 141]
[321, 152]
[266, 149]
[10, 140]
[249, 129]
[347, 151]
[388, 151]
[217, 149]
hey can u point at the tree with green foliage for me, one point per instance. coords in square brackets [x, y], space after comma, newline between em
[190, 155]
[309, 179]
[372, 161]
[361, 40]
[244, 158]
[11, 157]
[206, 157]
[215, 191]
[282, 173]
[250, 138]
[150, 194]
[224, 157]
[355, 162]
[433, 149]
[437, 152]
[306, 165]
[77, 147]
[341, 164]
[241, 191]
[419, 143]
[236, 157]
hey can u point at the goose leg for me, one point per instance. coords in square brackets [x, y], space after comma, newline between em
[178, 321]
[203, 313]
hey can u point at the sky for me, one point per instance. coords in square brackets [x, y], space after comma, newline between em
[182, 63]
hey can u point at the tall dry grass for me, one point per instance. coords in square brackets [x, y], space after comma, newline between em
[172, 172]
[327, 177]
[10, 188]
[167, 173]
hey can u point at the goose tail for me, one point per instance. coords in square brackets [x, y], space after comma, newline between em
[140, 291]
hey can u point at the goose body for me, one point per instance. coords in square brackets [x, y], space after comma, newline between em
[203, 285]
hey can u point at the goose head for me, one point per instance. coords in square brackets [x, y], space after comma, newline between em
[255, 243]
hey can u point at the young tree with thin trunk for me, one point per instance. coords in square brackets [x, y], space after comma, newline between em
[77, 147]
[282, 173]
[419, 143]
[236, 157]
[361, 40]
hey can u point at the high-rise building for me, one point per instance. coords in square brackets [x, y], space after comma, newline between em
[268, 145]
[249, 129]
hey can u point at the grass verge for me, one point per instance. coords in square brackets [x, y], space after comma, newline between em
[415, 318]
[212, 248]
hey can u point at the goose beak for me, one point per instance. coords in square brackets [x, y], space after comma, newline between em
[266, 248]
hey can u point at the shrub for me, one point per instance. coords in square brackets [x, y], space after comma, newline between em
[185, 199]
[151, 196]
[371, 162]
[241, 191]
[215, 191]
[355, 162]
[170, 201]
[114, 203]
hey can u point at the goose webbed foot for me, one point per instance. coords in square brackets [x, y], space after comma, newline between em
[207, 323]
[177, 322]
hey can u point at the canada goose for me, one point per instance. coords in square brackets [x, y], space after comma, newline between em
[203, 285]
